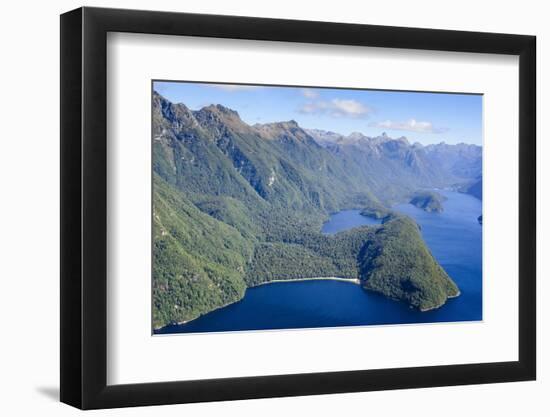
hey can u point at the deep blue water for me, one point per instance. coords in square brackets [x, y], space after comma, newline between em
[454, 237]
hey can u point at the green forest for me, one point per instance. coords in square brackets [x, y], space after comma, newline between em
[429, 201]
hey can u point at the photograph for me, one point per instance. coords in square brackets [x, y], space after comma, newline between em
[269, 209]
[300, 207]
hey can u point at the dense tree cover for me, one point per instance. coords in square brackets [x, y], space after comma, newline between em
[430, 201]
[397, 263]
[237, 205]
[375, 210]
[314, 255]
[280, 261]
[198, 261]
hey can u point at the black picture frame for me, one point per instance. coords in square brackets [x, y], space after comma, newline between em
[84, 207]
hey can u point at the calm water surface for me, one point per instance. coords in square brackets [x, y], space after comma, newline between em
[454, 237]
[347, 219]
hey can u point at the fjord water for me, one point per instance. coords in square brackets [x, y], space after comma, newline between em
[454, 238]
[347, 219]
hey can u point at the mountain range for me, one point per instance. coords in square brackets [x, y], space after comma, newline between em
[235, 205]
[412, 166]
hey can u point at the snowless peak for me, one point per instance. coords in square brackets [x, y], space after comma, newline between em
[218, 108]
[403, 139]
[278, 125]
[290, 124]
[278, 130]
[356, 135]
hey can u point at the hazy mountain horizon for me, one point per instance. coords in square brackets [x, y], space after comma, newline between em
[322, 135]
[424, 117]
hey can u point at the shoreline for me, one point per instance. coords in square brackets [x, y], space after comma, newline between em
[355, 281]
[440, 305]
[350, 280]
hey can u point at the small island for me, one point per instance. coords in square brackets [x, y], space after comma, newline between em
[429, 201]
[375, 211]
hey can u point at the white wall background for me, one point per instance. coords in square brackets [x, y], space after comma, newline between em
[29, 225]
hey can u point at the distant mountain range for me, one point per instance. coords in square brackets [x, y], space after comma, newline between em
[437, 165]
[236, 205]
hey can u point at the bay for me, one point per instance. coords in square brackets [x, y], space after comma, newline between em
[347, 219]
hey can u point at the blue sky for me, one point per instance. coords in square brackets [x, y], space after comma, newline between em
[421, 117]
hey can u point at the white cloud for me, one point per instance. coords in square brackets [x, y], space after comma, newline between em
[410, 125]
[234, 87]
[336, 108]
[309, 93]
[350, 107]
